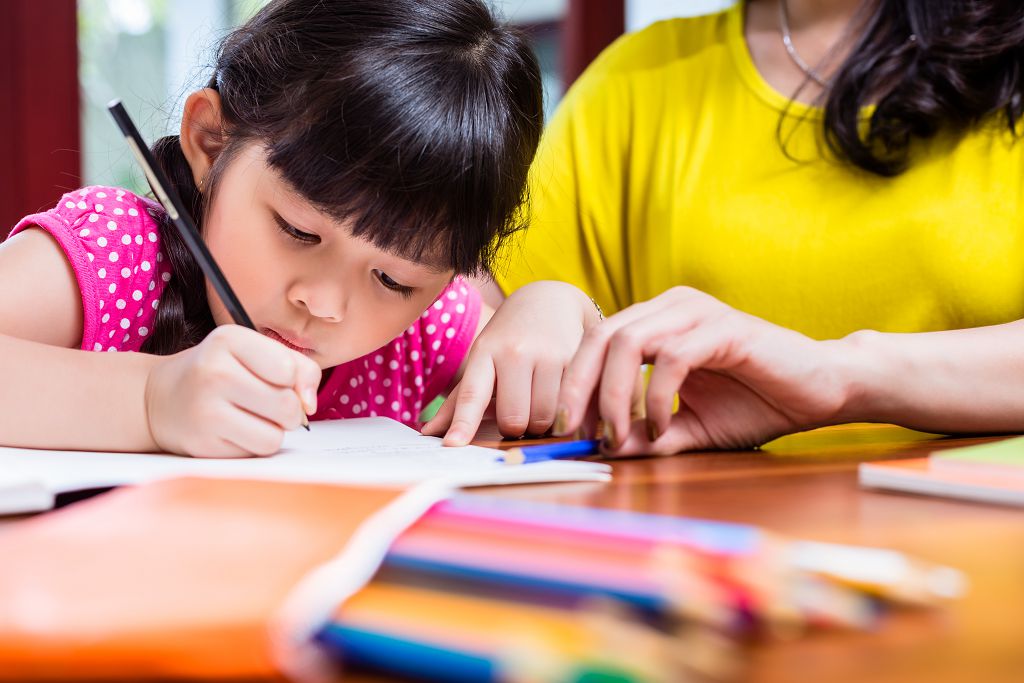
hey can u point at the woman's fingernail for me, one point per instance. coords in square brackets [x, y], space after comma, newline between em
[652, 431]
[610, 438]
[561, 421]
[638, 410]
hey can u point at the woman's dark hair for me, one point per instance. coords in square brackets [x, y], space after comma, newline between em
[414, 121]
[931, 66]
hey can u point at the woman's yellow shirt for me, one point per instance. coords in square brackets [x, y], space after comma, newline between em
[663, 167]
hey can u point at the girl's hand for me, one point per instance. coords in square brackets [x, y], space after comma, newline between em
[233, 395]
[518, 360]
[741, 381]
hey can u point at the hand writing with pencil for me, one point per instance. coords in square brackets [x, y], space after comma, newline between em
[233, 395]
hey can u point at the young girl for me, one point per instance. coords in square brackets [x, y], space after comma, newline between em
[346, 163]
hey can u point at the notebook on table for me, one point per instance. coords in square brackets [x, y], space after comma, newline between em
[372, 451]
[990, 472]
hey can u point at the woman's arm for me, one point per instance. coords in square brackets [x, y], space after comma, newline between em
[742, 381]
[954, 381]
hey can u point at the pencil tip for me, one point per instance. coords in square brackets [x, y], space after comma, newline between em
[305, 423]
[514, 456]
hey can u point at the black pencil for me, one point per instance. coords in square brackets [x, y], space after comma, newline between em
[169, 199]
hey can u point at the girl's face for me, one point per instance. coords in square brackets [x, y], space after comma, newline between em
[302, 278]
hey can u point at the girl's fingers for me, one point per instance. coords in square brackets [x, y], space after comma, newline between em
[512, 399]
[547, 378]
[442, 419]
[251, 433]
[271, 361]
[274, 404]
[474, 394]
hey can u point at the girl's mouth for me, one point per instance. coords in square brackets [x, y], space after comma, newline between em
[290, 342]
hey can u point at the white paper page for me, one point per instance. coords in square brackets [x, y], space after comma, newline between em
[369, 451]
[21, 492]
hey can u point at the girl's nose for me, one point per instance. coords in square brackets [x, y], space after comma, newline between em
[325, 302]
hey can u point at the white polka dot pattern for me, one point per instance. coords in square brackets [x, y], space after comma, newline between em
[112, 263]
[400, 378]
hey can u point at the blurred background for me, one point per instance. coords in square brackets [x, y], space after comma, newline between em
[61, 62]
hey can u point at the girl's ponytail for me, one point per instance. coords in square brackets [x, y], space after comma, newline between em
[184, 318]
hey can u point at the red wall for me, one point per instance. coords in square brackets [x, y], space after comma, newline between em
[590, 26]
[40, 140]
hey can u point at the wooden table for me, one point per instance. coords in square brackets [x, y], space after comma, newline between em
[806, 485]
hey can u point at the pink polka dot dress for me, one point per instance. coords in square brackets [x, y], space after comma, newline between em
[112, 240]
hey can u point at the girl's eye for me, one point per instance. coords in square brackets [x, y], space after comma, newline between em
[392, 285]
[295, 233]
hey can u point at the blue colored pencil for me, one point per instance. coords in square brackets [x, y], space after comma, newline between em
[560, 450]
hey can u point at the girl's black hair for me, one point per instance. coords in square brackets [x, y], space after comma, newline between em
[931, 66]
[414, 121]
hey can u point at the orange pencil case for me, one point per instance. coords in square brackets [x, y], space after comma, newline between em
[180, 578]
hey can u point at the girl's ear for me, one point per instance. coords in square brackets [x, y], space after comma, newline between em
[202, 132]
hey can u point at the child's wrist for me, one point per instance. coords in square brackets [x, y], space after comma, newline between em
[590, 310]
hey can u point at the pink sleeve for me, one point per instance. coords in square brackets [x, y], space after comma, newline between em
[113, 245]
[444, 334]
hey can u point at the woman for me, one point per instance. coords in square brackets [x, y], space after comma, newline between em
[819, 205]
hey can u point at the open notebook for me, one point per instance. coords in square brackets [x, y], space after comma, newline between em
[372, 451]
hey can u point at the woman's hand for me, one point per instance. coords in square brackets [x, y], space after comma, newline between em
[233, 395]
[741, 381]
[518, 360]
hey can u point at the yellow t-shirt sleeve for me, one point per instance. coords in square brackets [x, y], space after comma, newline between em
[576, 232]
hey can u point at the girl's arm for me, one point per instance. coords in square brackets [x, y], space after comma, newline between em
[58, 398]
[518, 359]
[55, 396]
[234, 394]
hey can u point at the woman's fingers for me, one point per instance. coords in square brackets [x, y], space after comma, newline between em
[618, 380]
[672, 312]
[702, 347]
[584, 372]
[684, 433]
[628, 348]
